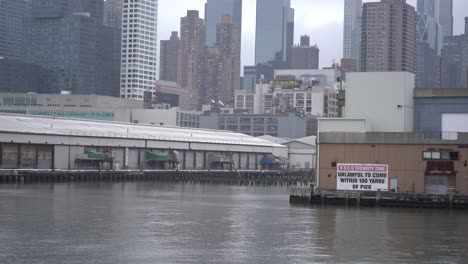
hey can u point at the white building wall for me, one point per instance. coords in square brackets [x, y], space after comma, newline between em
[384, 99]
[139, 48]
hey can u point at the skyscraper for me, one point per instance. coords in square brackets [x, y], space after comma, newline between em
[168, 58]
[388, 36]
[446, 17]
[191, 48]
[139, 45]
[228, 41]
[272, 35]
[79, 53]
[113, 13]
[12, 13]
[305, 56]
[352, 30]
[214, 10]
[429, 8]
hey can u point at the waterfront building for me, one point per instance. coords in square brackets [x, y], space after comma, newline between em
[113, 13]
[12, 13]
[352, 29]
[139, 49]
[191, 50]
[441, 111]
[168, 58]
[214, 11]
[104, 108]
[80, 54]
[305, 56]
[388, 36]
[274, 33]
[64, 144]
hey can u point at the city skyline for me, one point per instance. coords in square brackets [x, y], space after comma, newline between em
[325, 27]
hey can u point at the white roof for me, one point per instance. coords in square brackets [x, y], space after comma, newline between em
[73, 127]
[305, 140]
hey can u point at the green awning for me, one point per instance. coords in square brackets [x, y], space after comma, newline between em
[91, 154]
[158, 156]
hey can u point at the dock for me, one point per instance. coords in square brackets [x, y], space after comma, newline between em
[307, 195]
[234, 177]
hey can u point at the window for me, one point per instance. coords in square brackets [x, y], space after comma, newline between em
[440, 155]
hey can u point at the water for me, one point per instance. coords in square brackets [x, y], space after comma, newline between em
[154, 223]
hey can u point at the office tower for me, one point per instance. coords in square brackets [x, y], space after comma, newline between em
[290, 37]
[12, 13]
[191, 48]
[273, 35]
[464, 55]
[113, 13]
[214, 10]
[429, 8]
[305, 56]
[250, 78]
[79, 53]
[213, 87]
[139, 45]
[429, 39]
[388, 36]
[168, 58]
[446, 17]
[352, 30]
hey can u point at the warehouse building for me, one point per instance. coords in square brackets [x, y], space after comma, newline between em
[28, 142]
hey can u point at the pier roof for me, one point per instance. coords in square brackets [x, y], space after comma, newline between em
[84, 128]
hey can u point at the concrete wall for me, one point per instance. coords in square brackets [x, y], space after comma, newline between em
[301, 156]
[342, 125]
[405, 162]
[375, 96]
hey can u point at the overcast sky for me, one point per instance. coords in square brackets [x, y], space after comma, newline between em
[322, 20]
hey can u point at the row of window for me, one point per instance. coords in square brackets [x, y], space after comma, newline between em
[440, 155]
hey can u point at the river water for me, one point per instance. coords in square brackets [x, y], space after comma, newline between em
[157, 223]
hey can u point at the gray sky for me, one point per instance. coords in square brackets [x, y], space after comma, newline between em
[322, 20]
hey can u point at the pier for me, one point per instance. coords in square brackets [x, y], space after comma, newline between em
[307, 195]
[243, 178]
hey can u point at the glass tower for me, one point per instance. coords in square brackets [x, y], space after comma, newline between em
[274, 17]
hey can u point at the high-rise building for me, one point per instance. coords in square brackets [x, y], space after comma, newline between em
[446, 17]
[214, 10]
[113, 13]
[191, 49]
[456, 49]
[79, 54]
[388, 36]
[429, 8]
[139, 45]
[352, 30]
[12, 13]
[250, 78]
[305, 56]
[228, 41]
[429, 44]
[168, 58]
[272, 36]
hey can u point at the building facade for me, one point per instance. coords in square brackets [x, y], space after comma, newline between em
[191, 49]
[214, 11]
[80, 54]
[139, 48]
[12, 13]
[250, 78]
[304, 56]
[168, 58]
[284, 126]
[113, 13]
[17, 76]
[388, 36]
[352, 29]
[432, 107]
[274, 20]
[446, 17]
